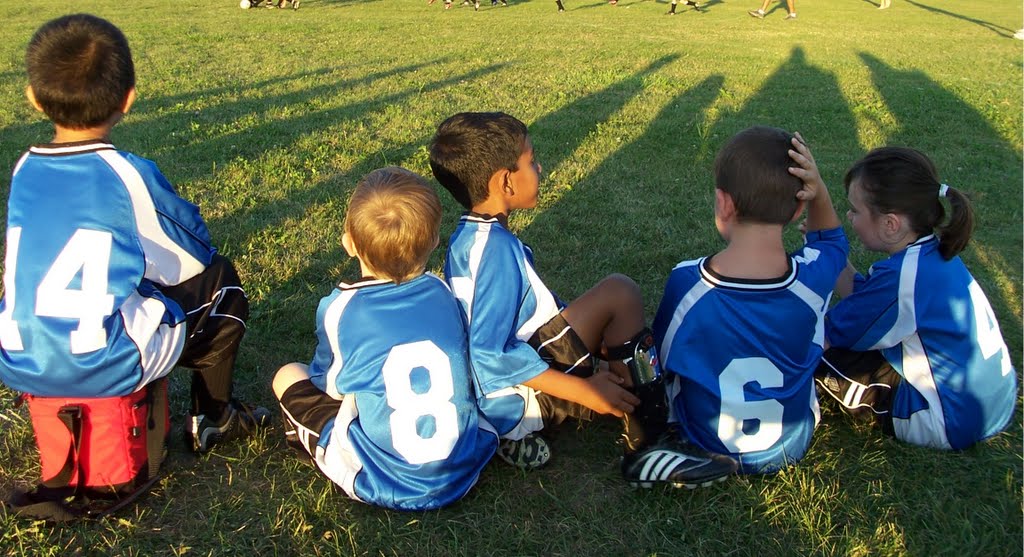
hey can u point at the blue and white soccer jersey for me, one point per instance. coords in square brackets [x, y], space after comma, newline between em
[934, 325]
[740, 354]
[408, 434]
[504, 301]
[92, 233]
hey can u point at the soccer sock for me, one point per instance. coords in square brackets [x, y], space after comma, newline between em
[672, 9]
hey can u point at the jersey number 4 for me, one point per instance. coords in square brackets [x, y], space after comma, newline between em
[86, 255]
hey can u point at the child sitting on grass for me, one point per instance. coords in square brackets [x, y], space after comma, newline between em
[915, 343]
[386, 408]
[534, 357]
[740, 332]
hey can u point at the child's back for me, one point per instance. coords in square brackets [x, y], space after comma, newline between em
[386, 408]
[741, 341]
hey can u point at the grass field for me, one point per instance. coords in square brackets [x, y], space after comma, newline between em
[267, 118]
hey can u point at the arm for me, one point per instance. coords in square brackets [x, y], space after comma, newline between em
[870, 317]
[844, 285]
[821, 215]
[174, 238]
[600, 392]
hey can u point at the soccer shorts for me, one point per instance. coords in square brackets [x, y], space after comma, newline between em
[307, 411]
[563, 350]
[862, 382]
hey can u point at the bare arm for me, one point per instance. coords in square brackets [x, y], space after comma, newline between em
[600, 392]
[821, 215]
[844, 284]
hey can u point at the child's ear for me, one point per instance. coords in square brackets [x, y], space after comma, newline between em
[350, 247]
[31, 96]
[501, 182]
[725, 208]
[800, 206]
[894, 226]
[129, 100]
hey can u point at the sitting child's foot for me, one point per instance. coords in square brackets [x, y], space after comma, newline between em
[679, 464]
[239, 420]
[529, 453]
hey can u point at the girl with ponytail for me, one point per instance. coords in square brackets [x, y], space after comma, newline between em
[914, 344]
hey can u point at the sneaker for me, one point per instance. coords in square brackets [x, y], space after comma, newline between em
[676, 463]
[791, 16]
[529, 453]
[756, 13]
[1019, 35]
[203, 434]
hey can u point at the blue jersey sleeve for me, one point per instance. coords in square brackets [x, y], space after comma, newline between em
[865, 319]
[324, 356]
[822, 259]
[181, 229]
[500, 358]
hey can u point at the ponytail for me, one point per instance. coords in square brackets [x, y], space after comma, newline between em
[904, 181]
[956, 233]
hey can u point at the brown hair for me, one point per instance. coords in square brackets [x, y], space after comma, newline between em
[904, 181]
[80, 69]
[753, 168]
[470, 147]
[393, 219]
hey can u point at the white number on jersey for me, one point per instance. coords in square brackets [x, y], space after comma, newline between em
[409, 406]
[990, 339]
[87, 254]
[736, 408]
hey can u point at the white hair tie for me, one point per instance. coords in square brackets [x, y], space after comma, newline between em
[943, 188]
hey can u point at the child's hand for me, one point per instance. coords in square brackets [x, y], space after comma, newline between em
[807, 169]
[608, 395]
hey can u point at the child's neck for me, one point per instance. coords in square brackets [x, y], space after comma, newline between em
[69, 135]
[493, 207]
[755, 251]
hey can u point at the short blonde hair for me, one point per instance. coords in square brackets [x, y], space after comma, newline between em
[393, 220]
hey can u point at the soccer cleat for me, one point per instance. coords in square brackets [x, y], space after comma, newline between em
[756, 13]
[202, 434]
[677, 464]
[672, 10]
[476, 6]
[696, 7]
[791, 16]
[529, 453]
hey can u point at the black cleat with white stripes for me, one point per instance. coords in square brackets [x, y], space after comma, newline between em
[672, 462]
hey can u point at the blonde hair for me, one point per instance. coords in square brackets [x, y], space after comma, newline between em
[393, 219]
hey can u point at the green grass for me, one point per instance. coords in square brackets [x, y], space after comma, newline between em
[268, 118]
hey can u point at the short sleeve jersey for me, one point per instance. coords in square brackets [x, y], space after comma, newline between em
[492, 274]
[934, 325]
[92, 233]
[740, 354]
[408, 435]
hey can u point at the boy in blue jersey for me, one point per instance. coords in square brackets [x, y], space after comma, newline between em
[740, 332]
[534, 357]
[386, 408]
[110, 279]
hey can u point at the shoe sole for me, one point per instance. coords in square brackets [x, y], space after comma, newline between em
[676, 485]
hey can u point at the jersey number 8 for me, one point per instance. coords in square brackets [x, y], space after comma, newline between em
[409, 406]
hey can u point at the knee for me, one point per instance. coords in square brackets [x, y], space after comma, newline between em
[623, 289]
[287, 376]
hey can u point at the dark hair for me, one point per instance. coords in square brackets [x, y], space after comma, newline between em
[80, 69]
[904, 181]
[470, 147]
[393, 219]
[753, 168]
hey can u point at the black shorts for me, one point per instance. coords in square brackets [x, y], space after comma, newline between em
[862, 382]
[307, 410]
[562, 349]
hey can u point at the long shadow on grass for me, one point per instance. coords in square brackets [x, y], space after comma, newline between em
[642, 187]
[966, 149]
[562, 132]
[997, 29]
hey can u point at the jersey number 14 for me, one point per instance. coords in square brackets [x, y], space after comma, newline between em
[86, 254]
